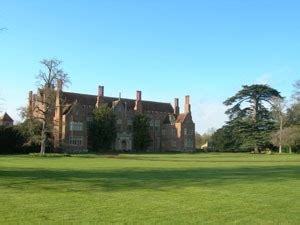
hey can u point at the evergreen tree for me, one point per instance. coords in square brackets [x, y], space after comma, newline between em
[102, 131]
[141, 132]
[251, 120]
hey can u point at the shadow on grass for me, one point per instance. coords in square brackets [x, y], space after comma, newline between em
[151, 179]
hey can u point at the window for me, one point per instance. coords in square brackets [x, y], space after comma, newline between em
[188, 143]
[174, 132]
[163, 132]
[78, 141]
[90, 119]
[173, 143]
[119, 125]
[76, 126]
[157, 125]
[185, 131]
[129, 122]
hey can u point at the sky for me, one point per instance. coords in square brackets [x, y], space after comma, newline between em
[206, 49]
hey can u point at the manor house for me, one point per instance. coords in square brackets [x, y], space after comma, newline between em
[170, 129]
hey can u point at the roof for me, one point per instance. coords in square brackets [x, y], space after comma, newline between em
[181, 117]
[6, 117]
[84, 99]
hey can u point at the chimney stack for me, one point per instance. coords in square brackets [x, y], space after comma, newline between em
[138, 102]
[176, 106]
[30, 99]
[59, 85]
[100, 91]
[100, 95]
[187, 104]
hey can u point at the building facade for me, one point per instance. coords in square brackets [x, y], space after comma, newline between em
[6, 120]
[170, 130]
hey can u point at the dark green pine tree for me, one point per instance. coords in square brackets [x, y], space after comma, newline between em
[102, 131]
[141, 132]
[249, 116]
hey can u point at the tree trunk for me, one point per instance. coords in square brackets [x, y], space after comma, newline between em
[254, 116]
[290, 150]
[43, 141]
[280, 135]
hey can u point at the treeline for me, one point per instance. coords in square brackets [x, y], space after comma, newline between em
[20, 139]
[260, 119]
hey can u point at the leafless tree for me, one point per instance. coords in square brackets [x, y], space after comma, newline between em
[297, 90]
[45, 100]
[278, 111]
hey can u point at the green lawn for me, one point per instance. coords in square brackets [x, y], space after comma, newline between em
[150, 189]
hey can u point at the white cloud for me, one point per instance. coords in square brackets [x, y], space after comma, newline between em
[208, 114]
[264, 79]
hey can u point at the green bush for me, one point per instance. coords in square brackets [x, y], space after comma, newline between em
[11, 140]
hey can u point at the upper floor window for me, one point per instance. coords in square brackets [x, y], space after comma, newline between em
[76, 126]
[185, 131]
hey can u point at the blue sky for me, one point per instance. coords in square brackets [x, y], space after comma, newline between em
[167, 49]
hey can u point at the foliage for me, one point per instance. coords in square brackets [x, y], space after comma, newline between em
[225, 139]
[31, 130]
[249, 117]
[11, 140]
[102, 131]
[141, 132]
[204, 138]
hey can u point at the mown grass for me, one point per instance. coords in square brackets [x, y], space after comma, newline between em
[150, 189]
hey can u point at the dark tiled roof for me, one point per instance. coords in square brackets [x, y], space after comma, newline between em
[69, 98]
[6, 117]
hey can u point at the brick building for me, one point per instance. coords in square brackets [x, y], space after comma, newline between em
[6, 120]
[170, 130]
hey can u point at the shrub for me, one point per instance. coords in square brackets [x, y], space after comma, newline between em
[11, 140]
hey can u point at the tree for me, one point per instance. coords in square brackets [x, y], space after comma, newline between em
[141, 132]
[102, 131]
[278, 111]
[11, 140]
[249, 115]
[224, 139]
[297, 91]
[291, 137]
[45, 107]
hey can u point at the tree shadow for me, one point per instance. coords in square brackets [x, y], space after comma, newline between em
[151, 179]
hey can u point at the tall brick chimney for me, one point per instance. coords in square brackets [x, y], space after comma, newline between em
[187, 106]
[58, 115]
[138, 102]
[176, 106]
[30, 104]
[100, 95]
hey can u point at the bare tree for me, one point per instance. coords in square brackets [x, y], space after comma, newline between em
[278, 111]
[297, 90]
[45, 101]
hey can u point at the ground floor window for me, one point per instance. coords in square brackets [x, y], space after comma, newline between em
[78, 141]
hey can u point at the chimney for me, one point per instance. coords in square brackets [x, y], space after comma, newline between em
[138, 102]
[30, 99]
[100, 95]
[187, 106]
[176, 106]
[138, 95]
[59, 85]
[100, 91]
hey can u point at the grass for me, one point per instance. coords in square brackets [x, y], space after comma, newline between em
[150, 189]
